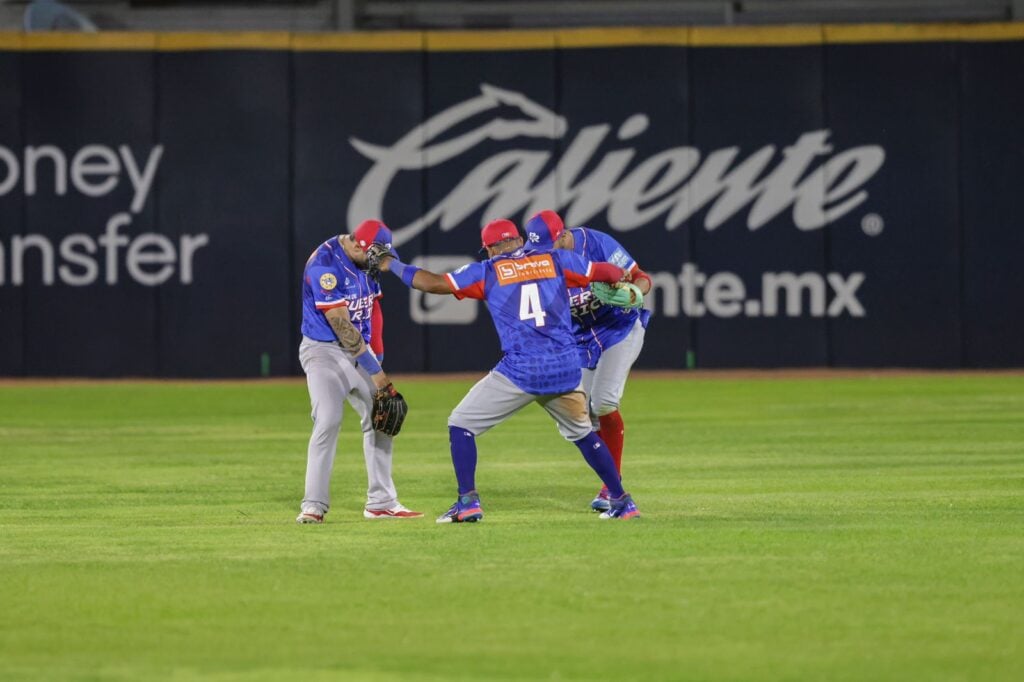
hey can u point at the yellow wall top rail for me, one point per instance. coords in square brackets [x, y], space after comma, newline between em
[465, 41]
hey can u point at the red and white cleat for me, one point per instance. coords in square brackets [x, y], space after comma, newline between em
[309, 517]
[396, 512]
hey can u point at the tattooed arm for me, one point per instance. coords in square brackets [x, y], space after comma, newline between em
[351, 341]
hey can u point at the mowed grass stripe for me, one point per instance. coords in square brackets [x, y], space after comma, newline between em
[842, 529]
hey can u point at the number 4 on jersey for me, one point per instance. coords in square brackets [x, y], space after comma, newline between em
[529, 305]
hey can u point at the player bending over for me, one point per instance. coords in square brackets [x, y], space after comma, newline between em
[341, 342]
[609, 331]
[526, 297]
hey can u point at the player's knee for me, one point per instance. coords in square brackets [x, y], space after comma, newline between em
[573, 431]
[603, 407]
[326, 420]
[456, 428]
[366, 424]
[457, 423]
[573, 436]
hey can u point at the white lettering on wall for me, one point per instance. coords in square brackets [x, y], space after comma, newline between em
[671, 185]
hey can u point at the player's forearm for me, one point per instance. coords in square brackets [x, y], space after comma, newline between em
[641, 279]
[605, 272]
[351, 341]
[418, 278]
[431, 282]
[349, 338]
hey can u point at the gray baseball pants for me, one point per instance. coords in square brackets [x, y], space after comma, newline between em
[333, 377]
[495, 398]
[606, 383]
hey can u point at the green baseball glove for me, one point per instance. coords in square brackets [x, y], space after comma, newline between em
[620, 294]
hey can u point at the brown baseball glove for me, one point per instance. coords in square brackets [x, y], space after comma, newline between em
[389, 410]
[375, 254]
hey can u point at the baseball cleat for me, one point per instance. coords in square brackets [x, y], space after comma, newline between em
[622, 508]
[466, 509]
[309, 517]
[396, 512]
[601, 503]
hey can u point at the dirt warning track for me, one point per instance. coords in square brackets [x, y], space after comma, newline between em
[666, 374]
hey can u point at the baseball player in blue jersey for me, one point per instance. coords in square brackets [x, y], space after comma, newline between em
[526, 296]
[340, 309]
[609, 338]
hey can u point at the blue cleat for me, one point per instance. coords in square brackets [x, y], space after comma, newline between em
[622, 508]
[465, 510]
[601, 503]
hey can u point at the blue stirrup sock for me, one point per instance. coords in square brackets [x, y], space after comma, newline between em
[463, 444]
[599, 457]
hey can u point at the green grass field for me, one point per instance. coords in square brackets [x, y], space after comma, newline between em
[794, 529]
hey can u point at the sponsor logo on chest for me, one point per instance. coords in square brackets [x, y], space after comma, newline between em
[524, 269]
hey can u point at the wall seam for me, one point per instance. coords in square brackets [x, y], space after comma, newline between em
[157, 222]
[293, 276]
[961, 228]
[424, 116]
[830, 356]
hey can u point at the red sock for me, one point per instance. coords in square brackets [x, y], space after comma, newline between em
[613, 432]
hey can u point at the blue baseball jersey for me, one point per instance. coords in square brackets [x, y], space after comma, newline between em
[598, 326]
[332, 280]
[526, 296]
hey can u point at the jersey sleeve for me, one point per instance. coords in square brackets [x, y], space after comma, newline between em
[326, 284]
[612, 251]
[377, 329]
[576, 268]
[468, 281]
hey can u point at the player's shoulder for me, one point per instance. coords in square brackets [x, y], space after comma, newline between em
[561, 255]
[470, 270]
[468, 275]
[571, 260]
[596, 238]
[605, 247]
[324, 255]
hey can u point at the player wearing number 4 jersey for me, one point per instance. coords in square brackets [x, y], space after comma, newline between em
[526, 296]
[609, 338]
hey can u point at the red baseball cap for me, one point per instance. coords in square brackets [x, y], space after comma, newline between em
[498, 231]
[370, 231]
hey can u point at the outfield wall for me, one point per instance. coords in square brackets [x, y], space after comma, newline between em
[843, 196]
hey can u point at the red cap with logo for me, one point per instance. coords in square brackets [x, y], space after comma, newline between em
[498, 231]
[370, 231]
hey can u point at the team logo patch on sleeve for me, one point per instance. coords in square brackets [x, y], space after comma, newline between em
[328, 281]
[619, 258]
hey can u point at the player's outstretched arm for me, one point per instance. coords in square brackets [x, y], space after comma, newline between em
[417, 278]
[606, 272]
[351, 341]
[430, 282]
